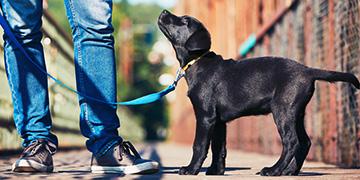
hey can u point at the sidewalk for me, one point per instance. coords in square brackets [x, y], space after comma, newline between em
[240, 165]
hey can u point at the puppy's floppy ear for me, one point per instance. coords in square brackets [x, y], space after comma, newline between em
[200, 40]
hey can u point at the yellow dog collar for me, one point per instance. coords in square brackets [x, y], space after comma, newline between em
[193, 61]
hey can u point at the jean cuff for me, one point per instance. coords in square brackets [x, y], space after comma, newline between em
[108, 146]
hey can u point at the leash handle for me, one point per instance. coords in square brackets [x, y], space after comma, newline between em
[147, 99]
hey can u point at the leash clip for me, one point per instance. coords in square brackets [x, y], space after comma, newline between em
[179, 74]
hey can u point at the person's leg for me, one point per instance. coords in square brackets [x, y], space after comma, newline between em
[95, 71]
[96, 77]
[28, 86]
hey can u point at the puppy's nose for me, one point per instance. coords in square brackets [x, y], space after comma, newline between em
[165, 12]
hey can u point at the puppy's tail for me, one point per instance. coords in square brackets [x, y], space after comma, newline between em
[332, 76]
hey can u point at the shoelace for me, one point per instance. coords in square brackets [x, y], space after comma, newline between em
[34, 147]
[128, 147]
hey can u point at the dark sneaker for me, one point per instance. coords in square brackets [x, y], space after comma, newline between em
[37, 157]
[123, 159]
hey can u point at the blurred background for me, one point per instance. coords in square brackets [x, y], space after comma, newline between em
[317, 33]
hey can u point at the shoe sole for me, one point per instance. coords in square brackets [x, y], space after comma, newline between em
[143, 168]
[30, 166]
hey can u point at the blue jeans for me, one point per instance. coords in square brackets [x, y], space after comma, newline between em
[90, 21]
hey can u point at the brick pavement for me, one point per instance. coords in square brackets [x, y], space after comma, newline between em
[240, 165]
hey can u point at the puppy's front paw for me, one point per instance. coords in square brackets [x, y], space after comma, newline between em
[188, 171]
[215, 171]
[266, 171]
[290, 172]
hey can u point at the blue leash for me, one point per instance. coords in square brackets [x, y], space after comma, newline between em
[150, 98]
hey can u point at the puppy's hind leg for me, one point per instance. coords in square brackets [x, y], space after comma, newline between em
[301, 153]
[218, 148]
[305, 143]
[285, 122]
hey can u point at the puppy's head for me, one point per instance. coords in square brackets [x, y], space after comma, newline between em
[188, 36]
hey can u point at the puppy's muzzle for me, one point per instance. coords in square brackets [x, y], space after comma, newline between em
[164, 18]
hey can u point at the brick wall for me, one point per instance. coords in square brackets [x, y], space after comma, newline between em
[318, 33]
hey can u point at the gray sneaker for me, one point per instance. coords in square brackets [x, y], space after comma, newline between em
[37, 157]
[123, 159]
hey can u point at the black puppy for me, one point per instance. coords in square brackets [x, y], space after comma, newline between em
[222, 90]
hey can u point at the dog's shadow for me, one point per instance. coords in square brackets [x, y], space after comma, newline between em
[305, 174]
[175, 170]
[311, 174]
